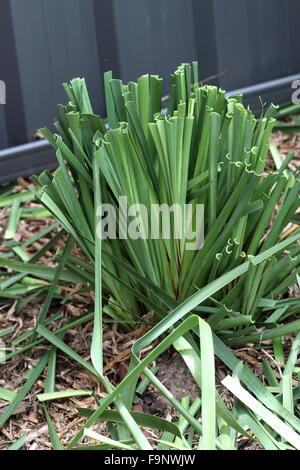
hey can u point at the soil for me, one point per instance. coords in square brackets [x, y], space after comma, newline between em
[174, 375]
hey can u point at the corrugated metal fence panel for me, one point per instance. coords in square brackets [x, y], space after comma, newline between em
[55, 41]
[9, 72]
[44, 43]
[153, 36]
[255, 40]
[3, 130]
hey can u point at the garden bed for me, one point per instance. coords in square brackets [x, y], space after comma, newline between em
[57, 320]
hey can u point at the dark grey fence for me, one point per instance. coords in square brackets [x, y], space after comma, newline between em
[46, 42]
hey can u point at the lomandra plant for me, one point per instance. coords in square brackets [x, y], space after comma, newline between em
[204, 149]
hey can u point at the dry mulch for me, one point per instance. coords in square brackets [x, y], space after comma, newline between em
[286, 143]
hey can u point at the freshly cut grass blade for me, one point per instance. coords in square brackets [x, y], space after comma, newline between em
[272, 420]
[287, 378]
[182, 422]
[18, 277]
[143, 385]
[262, 394]
[6, 332]
[247, 418]
[42, 272]
[207, 367]
[20, 197]
[56, 444]
[97, 346]
[269, 374]
[277, 332]
[142, 419]
[7, 395]
[43, 397]
[19, 443]
[193, 362]
[49, 386]
[106, 440]
[14, 218]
